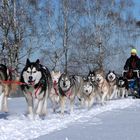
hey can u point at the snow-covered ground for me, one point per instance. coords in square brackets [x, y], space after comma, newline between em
[117, 120]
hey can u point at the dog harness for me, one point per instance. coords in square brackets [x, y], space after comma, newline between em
[55, 86]
[67, 93]
[36, 91]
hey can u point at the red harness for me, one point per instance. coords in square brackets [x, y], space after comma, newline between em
[55, 86]
[35, 91]
[12, 82]
[68, 93]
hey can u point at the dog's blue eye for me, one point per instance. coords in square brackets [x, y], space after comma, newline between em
[34, 71]
[28, 72]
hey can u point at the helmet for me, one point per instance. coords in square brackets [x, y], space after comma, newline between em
[133, 51]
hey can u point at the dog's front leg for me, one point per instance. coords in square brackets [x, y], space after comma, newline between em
[39, 107]
[44, 107]
[126, 93]
[103, 98]
[91, 101]
[123, 93]
[119, 93]
[29, 100]
[116, 93]
[62, 103]
[1, 100]
[5, 99]
[71, 105]
[36, 102]
[112, 93]
[82, 102]
[98, 97]
[5, 104]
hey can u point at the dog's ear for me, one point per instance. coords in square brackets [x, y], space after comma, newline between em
[37, 61]
[27, 62]
[89, 71]
[93, 72]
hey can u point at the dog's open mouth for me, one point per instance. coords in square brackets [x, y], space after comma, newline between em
[31, 82]
[98, 80]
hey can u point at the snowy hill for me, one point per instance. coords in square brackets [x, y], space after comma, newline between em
[82, 124]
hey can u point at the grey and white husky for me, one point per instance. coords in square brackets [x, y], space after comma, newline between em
[67, 90]
[88, 93]
[36, 87]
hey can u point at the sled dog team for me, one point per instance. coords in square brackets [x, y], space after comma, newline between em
[39, 84]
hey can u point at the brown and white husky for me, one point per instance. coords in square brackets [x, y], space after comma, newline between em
[54, 95]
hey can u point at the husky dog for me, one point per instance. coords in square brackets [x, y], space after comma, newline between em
[36, 87]
[67, 90]
[122, 87]
[5, 88]
[111, 78]
[54, 95]
[91, 76]
[103, 86]
[88, 93]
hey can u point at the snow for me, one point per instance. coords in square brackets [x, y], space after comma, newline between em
[97, 123]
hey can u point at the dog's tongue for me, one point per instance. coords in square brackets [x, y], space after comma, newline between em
[31, 82]
[54, 83]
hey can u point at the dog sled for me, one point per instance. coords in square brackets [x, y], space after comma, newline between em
[133, 78]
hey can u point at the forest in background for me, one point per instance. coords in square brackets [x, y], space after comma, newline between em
[68, 35]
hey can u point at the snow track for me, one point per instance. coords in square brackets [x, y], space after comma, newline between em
[16, 126]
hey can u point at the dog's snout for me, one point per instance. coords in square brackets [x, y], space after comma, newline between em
[30, 78]
[86, 90]
[110, 76]
[97, 79]
[64, 84]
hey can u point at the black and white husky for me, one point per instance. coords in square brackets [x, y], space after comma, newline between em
[36, 87]
[111, 78]
[91, 76]
[122, 87]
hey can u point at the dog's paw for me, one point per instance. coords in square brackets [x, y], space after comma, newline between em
[30, 116]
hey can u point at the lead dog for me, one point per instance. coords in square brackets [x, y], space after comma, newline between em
[36, 87]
